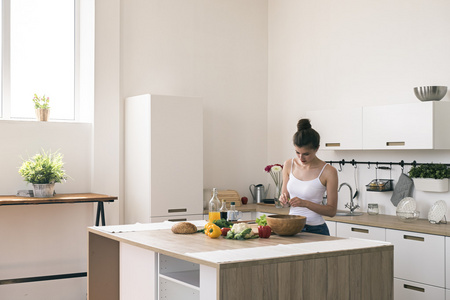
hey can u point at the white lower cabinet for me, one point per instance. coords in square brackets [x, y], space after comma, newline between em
[418, 257]
[331, 227]
[447, 264]
[148, 275]
[408, 290]
[362, 232]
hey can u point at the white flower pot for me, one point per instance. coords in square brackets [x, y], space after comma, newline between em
[431, 185]
[44, 190]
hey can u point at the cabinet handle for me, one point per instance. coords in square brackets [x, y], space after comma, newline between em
[177, 210]
[395, 143]
[332, 144]
[414, 238]
[177, 220]
[414, 288]
[360, 230]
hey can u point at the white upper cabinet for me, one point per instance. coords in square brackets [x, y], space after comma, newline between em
[421, 125]
[339, 129]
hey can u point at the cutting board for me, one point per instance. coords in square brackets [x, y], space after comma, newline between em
[229, 196]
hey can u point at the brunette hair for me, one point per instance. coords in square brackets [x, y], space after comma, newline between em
[306, 136]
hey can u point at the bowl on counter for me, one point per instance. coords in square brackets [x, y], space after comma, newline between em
[430, 93]
[408, 216]
[286, 224]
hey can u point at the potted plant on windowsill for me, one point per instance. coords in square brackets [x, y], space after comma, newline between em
[430, 177]
[43, 170]
[41, 107]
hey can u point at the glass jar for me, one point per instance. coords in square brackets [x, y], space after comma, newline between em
[372, 209]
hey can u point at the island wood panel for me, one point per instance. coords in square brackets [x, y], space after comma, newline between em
[357, 276]
[103, 268]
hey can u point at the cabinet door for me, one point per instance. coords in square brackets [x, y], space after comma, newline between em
[331, 227]
[339, 129]
[418, 257]
[406, 290]
[447, 263]
[402, 126]
[359, 231]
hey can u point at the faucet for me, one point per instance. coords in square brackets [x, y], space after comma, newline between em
[350, 206]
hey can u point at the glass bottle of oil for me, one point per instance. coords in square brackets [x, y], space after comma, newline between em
[224, 210]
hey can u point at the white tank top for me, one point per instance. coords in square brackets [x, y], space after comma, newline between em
[310, 190]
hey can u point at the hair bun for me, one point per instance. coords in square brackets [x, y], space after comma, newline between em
[303, 124]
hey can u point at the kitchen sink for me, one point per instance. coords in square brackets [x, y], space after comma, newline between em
[347, 213]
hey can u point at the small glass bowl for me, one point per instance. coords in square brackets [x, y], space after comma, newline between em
[372, 209]
[408, 216]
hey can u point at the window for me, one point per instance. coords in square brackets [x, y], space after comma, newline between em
[39, 46]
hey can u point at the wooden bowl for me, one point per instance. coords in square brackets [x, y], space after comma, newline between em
[286, 224]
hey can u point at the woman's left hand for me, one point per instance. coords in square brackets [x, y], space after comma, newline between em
[297, 202]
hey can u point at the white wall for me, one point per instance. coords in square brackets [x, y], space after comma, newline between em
[327, 54]
[37, 240]
[215, 50]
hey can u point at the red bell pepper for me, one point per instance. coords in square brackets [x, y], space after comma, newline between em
[264, 231]
[225, 230]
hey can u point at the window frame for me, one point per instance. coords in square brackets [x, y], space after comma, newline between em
[5, 101]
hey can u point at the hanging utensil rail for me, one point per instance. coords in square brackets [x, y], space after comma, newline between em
[375, 163]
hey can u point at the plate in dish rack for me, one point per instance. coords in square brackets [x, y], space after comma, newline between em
[407, 204]
[437, 212]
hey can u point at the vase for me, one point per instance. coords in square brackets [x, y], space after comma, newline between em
[42, 114]
[276, 197]
[45, 190]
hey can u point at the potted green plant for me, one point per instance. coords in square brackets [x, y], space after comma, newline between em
[430, 177]
[43, 170]
[41, 107]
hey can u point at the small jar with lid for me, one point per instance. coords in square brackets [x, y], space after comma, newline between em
[372, 209]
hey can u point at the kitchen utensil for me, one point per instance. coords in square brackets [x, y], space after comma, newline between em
[259, 192]
[286, 224]
[437, 212]
[430, 93]
[408, 216]
[407, 204]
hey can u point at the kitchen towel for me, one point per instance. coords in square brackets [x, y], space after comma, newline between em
[403, 188]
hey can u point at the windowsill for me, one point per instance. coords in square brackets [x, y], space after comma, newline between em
[36, 121]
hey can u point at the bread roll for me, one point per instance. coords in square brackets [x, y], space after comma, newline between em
[184, 228]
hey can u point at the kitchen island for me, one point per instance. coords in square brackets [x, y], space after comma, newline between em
[148, 261]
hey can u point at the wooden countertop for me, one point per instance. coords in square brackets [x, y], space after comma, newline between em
[58, 198]
[383, 221]
[181, 245]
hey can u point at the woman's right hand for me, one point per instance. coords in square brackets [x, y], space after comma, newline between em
[284, 199]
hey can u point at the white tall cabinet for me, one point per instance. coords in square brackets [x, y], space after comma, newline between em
[163, 158]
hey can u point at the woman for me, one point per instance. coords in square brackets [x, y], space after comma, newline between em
[305, 180]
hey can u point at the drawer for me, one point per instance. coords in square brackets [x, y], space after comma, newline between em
[359, 231]
[408, 290]
[418, 257]
[178, 218]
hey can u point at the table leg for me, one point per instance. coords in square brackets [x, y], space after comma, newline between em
[100, 212]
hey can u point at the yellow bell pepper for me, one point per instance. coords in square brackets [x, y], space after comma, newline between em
[213, 231]
[207, 225]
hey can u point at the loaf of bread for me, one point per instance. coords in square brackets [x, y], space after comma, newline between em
[184, 228]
